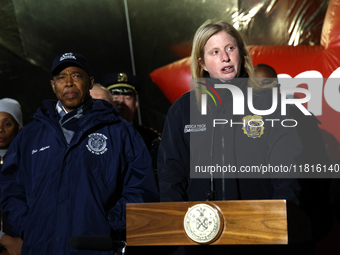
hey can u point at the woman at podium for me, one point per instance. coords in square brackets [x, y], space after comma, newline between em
[210, 149]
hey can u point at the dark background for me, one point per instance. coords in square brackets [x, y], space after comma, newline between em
[33, 32]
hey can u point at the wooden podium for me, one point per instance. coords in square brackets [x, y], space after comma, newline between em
[244, 222]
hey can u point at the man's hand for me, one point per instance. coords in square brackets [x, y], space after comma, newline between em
[12, 244]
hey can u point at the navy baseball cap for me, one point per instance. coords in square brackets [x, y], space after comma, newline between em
[69, 59]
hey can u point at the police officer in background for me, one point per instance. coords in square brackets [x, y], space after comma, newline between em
[124, 88]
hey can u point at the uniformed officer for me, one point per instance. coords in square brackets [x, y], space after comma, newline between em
[124, 88]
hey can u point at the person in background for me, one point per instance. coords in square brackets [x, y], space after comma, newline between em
[314, 196]
[266, 76]
[72, 170]
[100, 92]
[10, 124]
[124, 88]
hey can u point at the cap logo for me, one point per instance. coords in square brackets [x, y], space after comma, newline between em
[122, 77]
[67, 56]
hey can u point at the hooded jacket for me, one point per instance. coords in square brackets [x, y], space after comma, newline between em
[53, 191]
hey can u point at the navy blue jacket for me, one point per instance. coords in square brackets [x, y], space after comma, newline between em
[53, 191]
[182, 143]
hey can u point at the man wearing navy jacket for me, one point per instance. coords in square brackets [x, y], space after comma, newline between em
[71, 171]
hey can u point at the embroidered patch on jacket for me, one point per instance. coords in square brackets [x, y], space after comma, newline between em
[97, 143]
[41, 149]
[253, 126]
[195, 128]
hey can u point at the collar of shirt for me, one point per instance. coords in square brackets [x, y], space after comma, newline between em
[60, 109]
[3, 152]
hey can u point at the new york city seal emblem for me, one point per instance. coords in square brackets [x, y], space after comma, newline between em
[97, 143]
[203, 223]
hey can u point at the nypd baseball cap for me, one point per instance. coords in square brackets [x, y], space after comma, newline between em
[69, 59]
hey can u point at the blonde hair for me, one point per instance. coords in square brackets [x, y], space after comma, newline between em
[202, 35]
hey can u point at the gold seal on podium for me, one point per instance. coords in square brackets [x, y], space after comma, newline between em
[203, 223]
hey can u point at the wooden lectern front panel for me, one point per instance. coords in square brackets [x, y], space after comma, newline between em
[245, 222]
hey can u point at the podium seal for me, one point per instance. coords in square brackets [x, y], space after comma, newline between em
[203, 223]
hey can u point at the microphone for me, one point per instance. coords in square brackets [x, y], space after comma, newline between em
[95, 243]
[210, 195]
